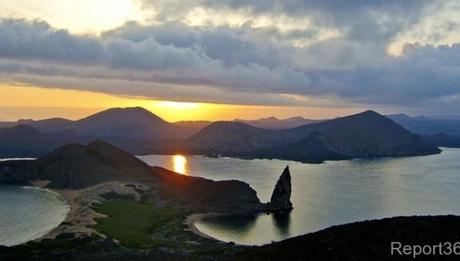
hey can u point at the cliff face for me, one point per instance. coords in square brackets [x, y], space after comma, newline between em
[281, 197]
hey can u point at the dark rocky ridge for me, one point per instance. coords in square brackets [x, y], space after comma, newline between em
[367, 240]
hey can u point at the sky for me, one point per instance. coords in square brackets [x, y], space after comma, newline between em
[226, 59]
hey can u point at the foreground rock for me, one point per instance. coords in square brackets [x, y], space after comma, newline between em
[368, 240]
[281, 197]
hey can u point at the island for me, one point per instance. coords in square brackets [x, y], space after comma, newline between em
[119, 201]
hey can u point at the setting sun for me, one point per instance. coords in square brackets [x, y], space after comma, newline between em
[177, 105]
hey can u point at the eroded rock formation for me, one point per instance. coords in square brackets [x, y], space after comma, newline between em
[281, 197]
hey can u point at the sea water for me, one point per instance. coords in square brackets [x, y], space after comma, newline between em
[332, 193]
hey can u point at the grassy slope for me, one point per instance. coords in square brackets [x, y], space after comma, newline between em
[144, 225]
[133, 223]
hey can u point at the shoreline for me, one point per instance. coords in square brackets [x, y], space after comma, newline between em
[81, 216]
[191, 220]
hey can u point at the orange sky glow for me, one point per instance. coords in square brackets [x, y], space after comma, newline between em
[20, 102]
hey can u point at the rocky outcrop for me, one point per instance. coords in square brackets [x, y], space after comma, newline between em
[281, 197]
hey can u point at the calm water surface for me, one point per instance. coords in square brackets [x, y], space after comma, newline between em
[27, 213]
[329, 194]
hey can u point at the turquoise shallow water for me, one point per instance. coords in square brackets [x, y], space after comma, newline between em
[331, 193]
[27, 213]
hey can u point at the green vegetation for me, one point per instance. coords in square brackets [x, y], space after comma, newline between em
[145, 225]
[144, 229]
[140, 224]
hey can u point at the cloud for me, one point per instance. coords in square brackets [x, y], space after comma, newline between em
[438, 24]
[260, 52]
[38, 49]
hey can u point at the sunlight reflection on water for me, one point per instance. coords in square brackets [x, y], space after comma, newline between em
[180, 164]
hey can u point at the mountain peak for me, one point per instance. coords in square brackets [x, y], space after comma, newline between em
[124, 112]
[78, 166]
[131, 122]
[370, 113]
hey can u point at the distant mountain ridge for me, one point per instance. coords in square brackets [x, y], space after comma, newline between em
[424, 125]
[363, 135]
[264, 123]
[133, 122]
[139, 131]
[437, 130]
[134, 129]
[26, 141]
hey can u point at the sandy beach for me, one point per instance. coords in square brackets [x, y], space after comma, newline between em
[81, 216]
